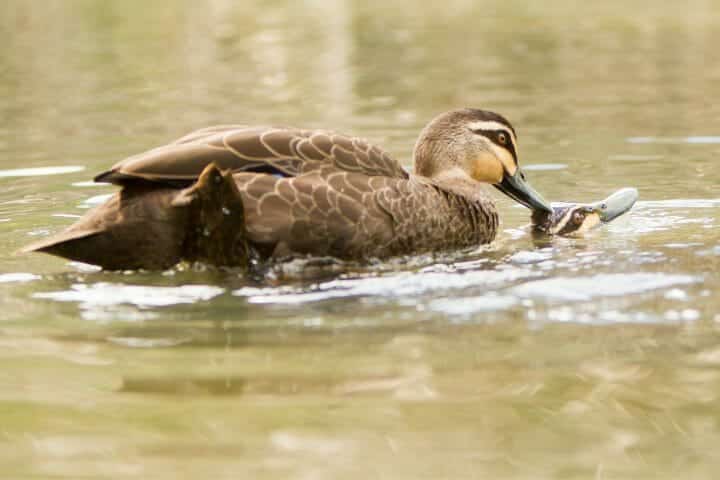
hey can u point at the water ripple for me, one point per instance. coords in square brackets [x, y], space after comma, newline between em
[18, 277]
[602, 285]
[678, 203]
[95, 200]
[470, 305]
[142, 296]
[698, 139]
[399, 285]
[40, 171]
[545, 166]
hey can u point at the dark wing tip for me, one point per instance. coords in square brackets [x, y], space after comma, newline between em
[57, 244]
[125, 179]
[33, 247]
[42, 246]
[111, 176]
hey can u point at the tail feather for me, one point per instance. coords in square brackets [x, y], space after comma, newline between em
[134, 229]
[153, 227]
[60, 244]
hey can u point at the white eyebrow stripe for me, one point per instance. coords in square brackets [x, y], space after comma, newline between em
[564, 221]
[492, 125]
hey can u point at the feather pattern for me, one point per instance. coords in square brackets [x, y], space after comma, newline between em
[351, 215]
[287, 151]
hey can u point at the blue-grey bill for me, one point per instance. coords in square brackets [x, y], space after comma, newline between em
[515, 187]
[616, 204]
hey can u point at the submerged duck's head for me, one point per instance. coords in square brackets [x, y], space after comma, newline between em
[478, 145]
[574, 220]
[566, 220]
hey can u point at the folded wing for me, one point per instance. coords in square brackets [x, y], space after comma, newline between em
[285, 152]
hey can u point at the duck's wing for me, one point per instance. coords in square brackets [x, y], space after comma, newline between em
[287, 152]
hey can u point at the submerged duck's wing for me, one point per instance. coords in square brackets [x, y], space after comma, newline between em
[283, 151]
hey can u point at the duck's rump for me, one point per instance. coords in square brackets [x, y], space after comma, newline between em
[135, 228]
[145, 226]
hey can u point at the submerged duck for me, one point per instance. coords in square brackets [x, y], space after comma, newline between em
[576, 219]
[224, 194]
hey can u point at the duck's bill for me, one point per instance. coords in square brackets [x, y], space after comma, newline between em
[515, 187]
[616, 204]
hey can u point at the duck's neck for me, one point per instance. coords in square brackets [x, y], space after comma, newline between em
[458, 182]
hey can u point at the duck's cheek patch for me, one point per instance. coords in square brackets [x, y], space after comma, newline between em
[487, 169]
[506, 159]
[590, 222]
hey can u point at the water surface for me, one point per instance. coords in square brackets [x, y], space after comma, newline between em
[571, 358]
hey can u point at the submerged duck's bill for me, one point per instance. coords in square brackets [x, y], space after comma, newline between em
[616, 204]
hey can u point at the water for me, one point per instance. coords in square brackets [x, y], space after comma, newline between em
[570, 358]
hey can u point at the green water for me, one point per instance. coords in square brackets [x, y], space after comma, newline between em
[574, 359]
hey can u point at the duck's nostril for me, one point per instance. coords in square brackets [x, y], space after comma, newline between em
[603, 206]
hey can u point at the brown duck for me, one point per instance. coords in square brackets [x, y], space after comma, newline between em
[225, 193]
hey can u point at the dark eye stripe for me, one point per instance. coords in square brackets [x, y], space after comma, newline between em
[571, 226]
[494, 135]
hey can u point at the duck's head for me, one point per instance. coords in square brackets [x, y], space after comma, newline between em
[477, 145]
[574, 220]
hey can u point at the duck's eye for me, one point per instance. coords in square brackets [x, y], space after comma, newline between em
[578, 218]
[502, 138]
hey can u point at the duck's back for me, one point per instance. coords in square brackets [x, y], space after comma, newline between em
[283, 151]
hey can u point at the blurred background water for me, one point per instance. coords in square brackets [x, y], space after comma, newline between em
[571, 358]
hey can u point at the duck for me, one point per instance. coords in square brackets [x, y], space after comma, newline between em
[231, 193]
[577, 219]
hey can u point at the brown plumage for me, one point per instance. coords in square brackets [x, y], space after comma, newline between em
[291, 191]
[151, 227]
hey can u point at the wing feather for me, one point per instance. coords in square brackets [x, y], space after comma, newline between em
[315, 214]
[288, 152]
